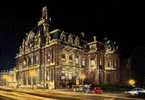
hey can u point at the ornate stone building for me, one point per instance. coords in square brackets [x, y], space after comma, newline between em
[57, 58]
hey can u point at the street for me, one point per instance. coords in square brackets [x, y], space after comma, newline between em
[55, 95]
[11, 95]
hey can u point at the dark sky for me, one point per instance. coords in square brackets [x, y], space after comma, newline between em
[121, 21]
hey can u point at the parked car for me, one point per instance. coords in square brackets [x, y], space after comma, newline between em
[136, 92]
[98, 90]
[81, 88]
[78, 88]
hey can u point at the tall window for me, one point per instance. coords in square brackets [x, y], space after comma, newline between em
[24, 62]
[108, 64]
[83, 62]
[93, 62]
[70, 57]
[63, 56]
[52, 57]
[29, 60]
[37, 59]
[48, 56]
[34, 59]
[77, 61]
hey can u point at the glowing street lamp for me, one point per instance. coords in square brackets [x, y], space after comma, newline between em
[132, 82]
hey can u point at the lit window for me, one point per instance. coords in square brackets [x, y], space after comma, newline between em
[48, 56]
[24, 62]
[100, 61]
[83, 62]
[77, 60]
[92, 63]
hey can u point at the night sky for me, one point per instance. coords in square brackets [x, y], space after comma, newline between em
[121, 21]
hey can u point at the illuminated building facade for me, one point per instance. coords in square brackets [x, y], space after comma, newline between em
[8, 78]
[56, 58]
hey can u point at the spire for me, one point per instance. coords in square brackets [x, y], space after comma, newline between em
[44, 13]
[44, 17]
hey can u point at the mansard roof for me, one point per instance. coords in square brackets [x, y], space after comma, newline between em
[41, 35]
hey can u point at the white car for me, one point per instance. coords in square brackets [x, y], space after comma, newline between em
[136, 92]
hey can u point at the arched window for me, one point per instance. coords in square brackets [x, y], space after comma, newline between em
[37, 59]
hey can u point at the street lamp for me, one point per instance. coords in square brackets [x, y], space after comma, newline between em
[132, 82]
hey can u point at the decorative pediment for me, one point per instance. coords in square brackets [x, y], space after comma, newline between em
[77, 41]
[37, 40]
[29, 40]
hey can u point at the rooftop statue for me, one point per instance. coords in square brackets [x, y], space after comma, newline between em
[70, 39]
[63, 36]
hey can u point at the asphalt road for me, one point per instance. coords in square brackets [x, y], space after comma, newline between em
[15, 95]
[11, 95]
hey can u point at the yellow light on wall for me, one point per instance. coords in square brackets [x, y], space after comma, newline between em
[32, 73]
[131, 82]
[7, 78]
[77, 82]
[4, 76]
[82, 76]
